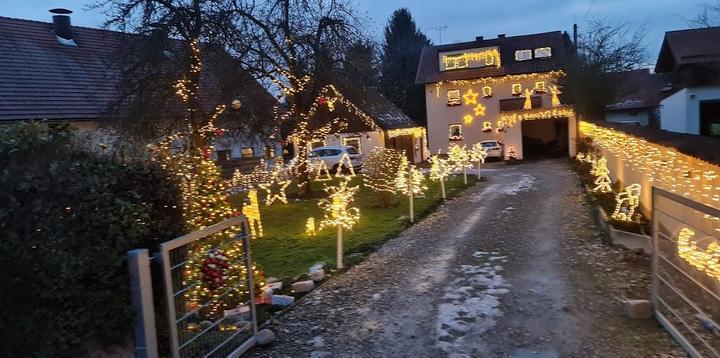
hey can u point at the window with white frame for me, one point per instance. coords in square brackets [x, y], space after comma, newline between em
[540, 87]
[453, 97]
[247, 152]
[516, 89]
[543, 52]
[456, 132]
[523, 55]
[354, 142]
[487, 91]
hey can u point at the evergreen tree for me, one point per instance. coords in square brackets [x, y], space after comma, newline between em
[360, 66]
[400, 58]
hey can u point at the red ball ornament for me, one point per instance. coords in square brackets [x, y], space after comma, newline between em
[219, 132]
[322, 101]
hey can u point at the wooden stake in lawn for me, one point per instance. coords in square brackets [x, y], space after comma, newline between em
[338, 212]
[439, 170]
[460, 159]
[477, 155]
[409, 181]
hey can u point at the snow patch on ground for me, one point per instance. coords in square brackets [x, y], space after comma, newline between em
[525, 183]
[471, 303]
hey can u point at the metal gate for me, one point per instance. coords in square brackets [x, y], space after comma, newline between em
[686, 271]
[209, 293]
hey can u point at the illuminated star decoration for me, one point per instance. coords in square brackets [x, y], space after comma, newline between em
[275, 189]
[467, 119]
[470, 97]
[479, 110]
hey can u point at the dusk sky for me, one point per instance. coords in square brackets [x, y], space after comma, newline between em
[464, 19]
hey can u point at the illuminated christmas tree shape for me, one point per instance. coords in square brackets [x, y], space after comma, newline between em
[602, 182]
[310, 227]
[439, 170]
[460, 159]
[275, 189]
[252, 213]
[479, 110]
[321, 172]
[409, 178]
[468, 119]
[707, 260]
[626, 202]
[554, 92]
[343, 165]
[477, 154]
[470, 97]
[528, 101]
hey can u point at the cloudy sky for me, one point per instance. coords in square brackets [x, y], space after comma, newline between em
[464, 19]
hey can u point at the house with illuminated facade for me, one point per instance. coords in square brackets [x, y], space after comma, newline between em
[504, 89]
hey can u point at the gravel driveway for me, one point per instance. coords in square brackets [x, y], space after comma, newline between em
[513, 268]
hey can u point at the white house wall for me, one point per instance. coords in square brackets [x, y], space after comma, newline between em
[680, 112]
[368, 140]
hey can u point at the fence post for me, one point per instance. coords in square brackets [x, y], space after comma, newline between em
[142, 302]
[250, 277]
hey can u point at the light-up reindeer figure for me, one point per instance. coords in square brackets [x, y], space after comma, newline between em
[252, 213]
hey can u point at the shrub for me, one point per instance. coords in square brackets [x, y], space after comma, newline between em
[67, 220]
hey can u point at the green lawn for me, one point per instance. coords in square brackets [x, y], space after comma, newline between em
[285, 251]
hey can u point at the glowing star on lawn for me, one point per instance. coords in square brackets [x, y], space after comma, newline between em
[310, 227]
[707, 260]
[321, 171]
[339, 213]
[602, 182]
[275, 189]
[479, 110]
[554, 92]
[626, 202]
[344, 164]
[528, 99]
[477, 155]
[252, 213]
[470, 97]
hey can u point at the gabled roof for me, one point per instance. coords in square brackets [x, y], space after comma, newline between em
[692, 46]
[429, 67]
[638, 89]
[43, 79]
[385, 114]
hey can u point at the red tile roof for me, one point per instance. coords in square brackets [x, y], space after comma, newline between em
[429, 67]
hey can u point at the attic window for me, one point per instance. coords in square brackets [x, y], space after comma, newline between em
[453, 62]
[523, 55]
[543, 52]
[453, 97]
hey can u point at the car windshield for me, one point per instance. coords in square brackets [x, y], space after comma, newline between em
[352, 150]
[489, 144]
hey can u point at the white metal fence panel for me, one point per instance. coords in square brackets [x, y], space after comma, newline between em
[686, 271]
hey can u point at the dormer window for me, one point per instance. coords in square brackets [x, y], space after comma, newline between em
[543, 52]
[523, 55]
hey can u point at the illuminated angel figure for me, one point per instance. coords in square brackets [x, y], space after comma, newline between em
[252, 213]
[602, 182]
[626, 202]
[528, 99]
[338, 212]
[554, 92]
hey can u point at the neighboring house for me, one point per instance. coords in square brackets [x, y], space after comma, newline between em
[62, 74]
[498, 89]
[638, 102]
[372, 121]
[691, 59]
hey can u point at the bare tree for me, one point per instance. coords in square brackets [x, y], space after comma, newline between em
[604, 49]
[708, 17]
[297, 47]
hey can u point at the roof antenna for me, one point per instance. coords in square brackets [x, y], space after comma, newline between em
[439, 29]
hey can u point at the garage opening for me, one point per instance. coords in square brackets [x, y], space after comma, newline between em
[545, 138]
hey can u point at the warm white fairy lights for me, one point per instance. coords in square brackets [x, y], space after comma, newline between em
[275, 189]
[345, 167]
[706, 260]
[439, 170]
[339, 212]
[554, 100]
[511, 118]
[662, 166]
[310, 227]
[477, 154]
[602, 182]
[252, 213]
[321, 171]
[626, 202]
[460, 159]
[545, 76]
[470, 97]
[409, 179]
